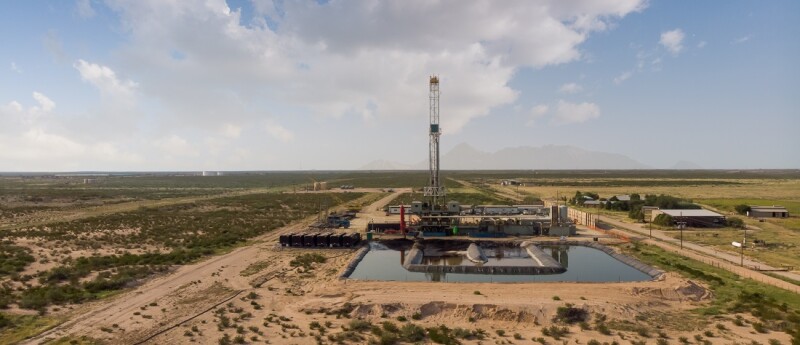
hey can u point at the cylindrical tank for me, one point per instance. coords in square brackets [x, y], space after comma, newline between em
[562, 213]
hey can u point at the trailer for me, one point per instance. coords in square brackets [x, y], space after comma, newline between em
[351, 240]
[308, 240]
[320, 240]
[286, 240]
[323, 240]
[297, 240]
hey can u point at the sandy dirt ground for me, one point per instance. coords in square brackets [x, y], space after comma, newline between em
[254, 292]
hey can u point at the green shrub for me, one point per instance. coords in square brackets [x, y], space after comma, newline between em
[5, 321]
[442, 335]
[570, 315]
[742, 209]
[306, 260]
[664, 220]
[412, 333]
[555, 331]
[735, 222]
[603, 329]
[359, 325]
[390, 327]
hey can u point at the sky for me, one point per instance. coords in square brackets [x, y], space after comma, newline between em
[146, 85]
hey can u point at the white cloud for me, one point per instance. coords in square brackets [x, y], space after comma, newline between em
[45, 104]
[623, 77]
[13, 106]
[105, 80]
[28, 143]
[204, 70]
[702, 44]
[84, 8]
[570, 88]
[278, 132]
[742, 39]
[331, 59]
[537, 112]
[672, 40]
[15, 68]
[567, 113]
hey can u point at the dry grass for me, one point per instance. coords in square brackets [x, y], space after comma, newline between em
[749, 188]
[782, 245]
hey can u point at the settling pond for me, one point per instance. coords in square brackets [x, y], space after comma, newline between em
[583, 264]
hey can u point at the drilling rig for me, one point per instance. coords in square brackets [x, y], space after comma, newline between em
[434, 192]
[434, 214]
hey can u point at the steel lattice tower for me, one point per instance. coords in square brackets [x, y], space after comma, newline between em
[435, 191]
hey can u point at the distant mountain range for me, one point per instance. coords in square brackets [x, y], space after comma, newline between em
[466, 157]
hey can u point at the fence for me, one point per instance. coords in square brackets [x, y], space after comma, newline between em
[583, 218]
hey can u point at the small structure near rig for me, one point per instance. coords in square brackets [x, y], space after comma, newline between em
[768, 212]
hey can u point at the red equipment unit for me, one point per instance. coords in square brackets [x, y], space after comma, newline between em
[403, 220]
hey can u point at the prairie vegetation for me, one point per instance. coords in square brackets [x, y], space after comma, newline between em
[88, 258]
[45, 267]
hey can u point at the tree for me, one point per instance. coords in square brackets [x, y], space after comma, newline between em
[735, 222]
[664, 220]
[742, 209]
[636, 213]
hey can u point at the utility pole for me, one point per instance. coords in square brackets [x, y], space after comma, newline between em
[650, 224]
[680, 225]
[743, 244]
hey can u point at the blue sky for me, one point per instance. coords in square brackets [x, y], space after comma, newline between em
[256, 85]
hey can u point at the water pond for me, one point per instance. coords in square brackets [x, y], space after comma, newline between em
[583, 264]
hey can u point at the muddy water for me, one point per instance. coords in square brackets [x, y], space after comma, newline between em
[583, 264]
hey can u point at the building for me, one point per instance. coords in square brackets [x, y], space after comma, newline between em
[593, 203]
[531, 209]
[693, 218]
[768, 212]
[489, 210]
[623, 197]
[395, 209]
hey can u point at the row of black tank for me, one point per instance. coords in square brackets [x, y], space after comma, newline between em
[320, 240]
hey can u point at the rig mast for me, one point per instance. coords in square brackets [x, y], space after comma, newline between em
[435, 191]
